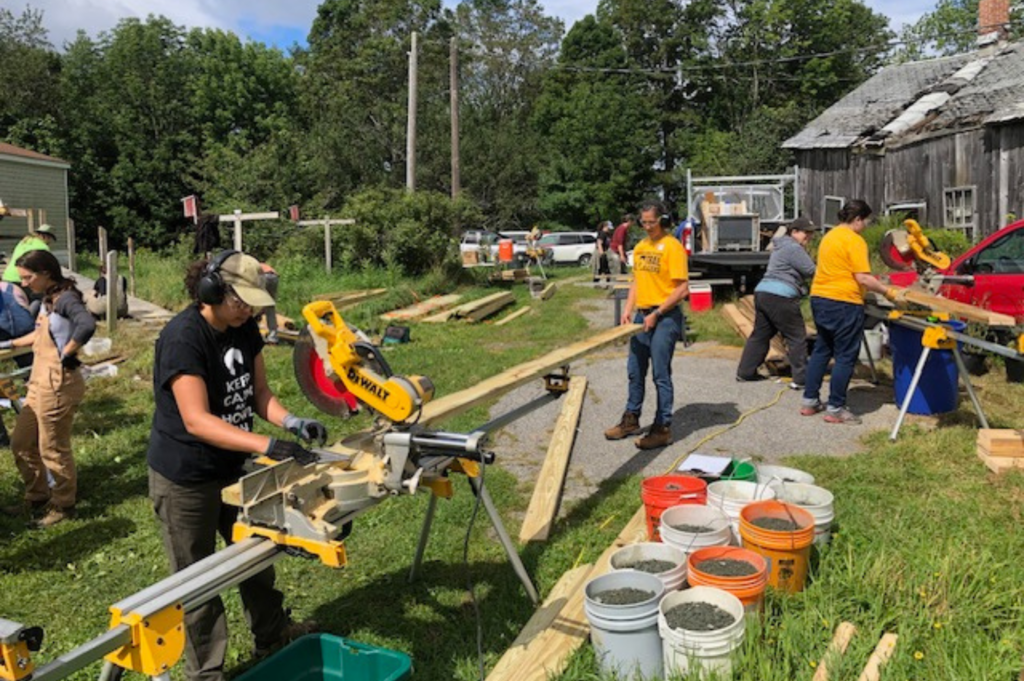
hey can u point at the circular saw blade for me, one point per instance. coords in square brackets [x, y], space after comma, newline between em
[895, 252]
[321, 387]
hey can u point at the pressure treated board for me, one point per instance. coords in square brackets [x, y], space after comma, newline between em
[495, 386]
[883, 651]
[513, 315]
[548, 291]
[744, 326]
[957, 309]
[841, 640]
[540, 515]
[538, 630]
[551, 648]
[352, 296]
[1000, 464]
[421, 309]
[1001, 442]
[480, 309]
[748, 310]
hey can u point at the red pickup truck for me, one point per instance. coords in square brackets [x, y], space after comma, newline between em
[989, 275]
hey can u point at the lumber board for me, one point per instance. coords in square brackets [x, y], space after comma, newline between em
[534, 634]
[548, 291]
[547, 492]
[14, 352]
[1005, 442]
[744, 326]
[482, 308]
[422, 309]
[883, 651]
[1000, 464]
[840, 641]
[351, 296]
[510, 379]
[748, 309]
[513, 315]
[439, 317]
[963, 310]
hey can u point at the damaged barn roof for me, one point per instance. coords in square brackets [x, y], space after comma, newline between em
[925, 98]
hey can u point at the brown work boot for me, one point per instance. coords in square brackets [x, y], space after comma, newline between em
[629, 424]
[54, 514]
[660, 435]
[291, 631]
[25, 509]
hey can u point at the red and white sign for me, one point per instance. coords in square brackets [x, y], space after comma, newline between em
[191, 206]
[293, 212]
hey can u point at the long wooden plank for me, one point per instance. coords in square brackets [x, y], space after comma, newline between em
[958, 309]
[480, 308]
[352, 296]
[841, 640]
[422, 309]
[495, 386]
[551, 648]
[747, 308]
[548, 291]
[744, 327]
[883, 651]
[540, 514]
[513, 315]
[529, 638]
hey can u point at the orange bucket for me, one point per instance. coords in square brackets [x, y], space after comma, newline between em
[787, 553]
[505, 250]
[665, 491]
[748, 588]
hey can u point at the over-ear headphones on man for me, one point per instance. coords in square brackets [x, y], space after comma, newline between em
[211, 288]
[665, 222]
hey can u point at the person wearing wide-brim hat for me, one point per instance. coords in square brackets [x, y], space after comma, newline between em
[40, 240]
[209, 383]
[777, 304]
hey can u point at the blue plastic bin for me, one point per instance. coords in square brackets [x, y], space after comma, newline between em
[323, 657]
[937, 391]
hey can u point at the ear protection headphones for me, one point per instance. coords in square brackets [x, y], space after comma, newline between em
[211, 288]
[665, 222]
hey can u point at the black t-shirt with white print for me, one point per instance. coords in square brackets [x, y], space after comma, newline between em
[190, 346]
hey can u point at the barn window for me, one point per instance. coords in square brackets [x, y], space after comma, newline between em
[830, 210]
[958, 210]
[909, 210]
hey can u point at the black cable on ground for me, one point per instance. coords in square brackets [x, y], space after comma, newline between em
[470, 586]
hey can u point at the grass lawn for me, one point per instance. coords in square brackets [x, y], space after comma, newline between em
[926, 546]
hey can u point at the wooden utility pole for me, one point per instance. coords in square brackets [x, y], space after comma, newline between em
[131, 266]
[453, 78]
[327, 223]
[102, 232]
[72, 253]
[238, 217]
[112, 293]
[410, 145]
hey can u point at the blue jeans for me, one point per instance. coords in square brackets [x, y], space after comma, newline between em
[840, 326]
[655, 348]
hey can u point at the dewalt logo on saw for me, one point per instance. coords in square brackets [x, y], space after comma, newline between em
[366, 384]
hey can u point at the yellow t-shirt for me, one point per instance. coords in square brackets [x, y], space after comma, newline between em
[841, 254]
[658, 267]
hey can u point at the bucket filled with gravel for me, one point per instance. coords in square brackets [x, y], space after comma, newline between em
[622, 608]
[666, 562]
[700, 628]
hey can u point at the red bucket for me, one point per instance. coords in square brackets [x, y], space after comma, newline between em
[665, 491]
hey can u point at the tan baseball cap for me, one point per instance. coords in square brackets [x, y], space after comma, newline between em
[243, 274]
[46, 230]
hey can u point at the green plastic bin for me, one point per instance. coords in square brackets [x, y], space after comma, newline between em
[323, 657]
[740, 470]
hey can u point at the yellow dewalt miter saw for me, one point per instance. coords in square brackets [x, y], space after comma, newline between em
[909, 249]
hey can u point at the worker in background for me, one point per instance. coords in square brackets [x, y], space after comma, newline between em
[659, 285]
[617, 259]
[15, 321]
[41, 440]
[210, 382]
[837, 301]
[270, 282]
[601, 248]
[96, 299]
[42, 240]
[777, 304]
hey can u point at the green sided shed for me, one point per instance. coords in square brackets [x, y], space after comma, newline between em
[34, 187]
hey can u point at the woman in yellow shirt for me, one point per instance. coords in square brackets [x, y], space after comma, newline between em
[659, 285]
[837, 302]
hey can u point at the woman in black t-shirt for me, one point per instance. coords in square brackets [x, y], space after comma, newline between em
[209, 381]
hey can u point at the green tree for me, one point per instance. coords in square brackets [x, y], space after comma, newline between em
[29, 73]
[950, 28]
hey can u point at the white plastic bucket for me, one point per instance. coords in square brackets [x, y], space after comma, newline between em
[672, 579]
[704, 652]
[773, 476]
[625, 637]
[817, 501]
[730, 496]
[872, 341]
[690, 514]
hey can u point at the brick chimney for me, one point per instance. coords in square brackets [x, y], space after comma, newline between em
[993, 21]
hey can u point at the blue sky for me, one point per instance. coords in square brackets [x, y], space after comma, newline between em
[284, 23]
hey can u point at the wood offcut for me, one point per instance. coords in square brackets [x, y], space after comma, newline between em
[840, 642]
[1001, 449]
[540, 515]
[422, 309]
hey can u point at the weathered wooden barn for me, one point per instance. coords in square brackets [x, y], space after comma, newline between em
[37, 184]
[941, 139]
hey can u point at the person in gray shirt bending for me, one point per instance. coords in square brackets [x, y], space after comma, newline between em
[777, 304]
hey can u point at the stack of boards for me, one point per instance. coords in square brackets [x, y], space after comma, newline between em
[1001, 448]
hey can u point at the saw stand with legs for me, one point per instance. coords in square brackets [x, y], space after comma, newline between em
[555, 385]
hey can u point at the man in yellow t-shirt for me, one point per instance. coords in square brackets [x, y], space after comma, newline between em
[659, 285]
[837, 301]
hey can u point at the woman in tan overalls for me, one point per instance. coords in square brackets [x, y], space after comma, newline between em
[42, 434]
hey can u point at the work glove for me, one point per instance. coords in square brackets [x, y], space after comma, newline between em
[306, 429]
[70, 362]
[280, 450]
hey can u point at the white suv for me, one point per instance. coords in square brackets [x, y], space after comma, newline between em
[569, 247]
